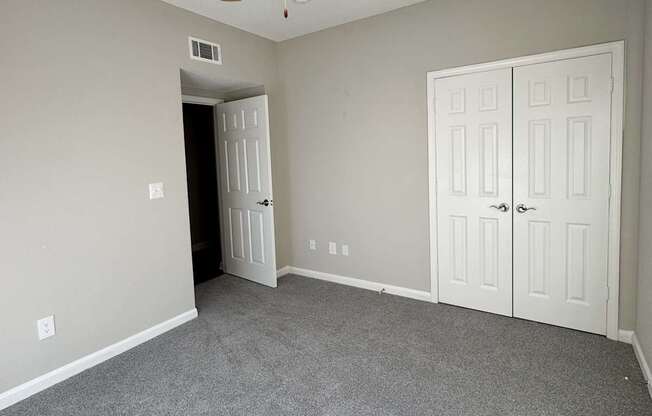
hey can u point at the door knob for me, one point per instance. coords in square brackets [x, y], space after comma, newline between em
[502, 207]
[522, 209]
[266, 202]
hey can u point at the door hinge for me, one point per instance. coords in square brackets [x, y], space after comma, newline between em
[612, 84]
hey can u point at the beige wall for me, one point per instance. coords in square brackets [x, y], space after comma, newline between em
[356, 111]
[644, 315]
[90, 114]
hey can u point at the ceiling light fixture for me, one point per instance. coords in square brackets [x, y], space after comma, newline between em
[286, 14]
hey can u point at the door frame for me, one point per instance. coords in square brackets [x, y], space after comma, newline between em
[210, 102]
[617, 50]
[195, 99]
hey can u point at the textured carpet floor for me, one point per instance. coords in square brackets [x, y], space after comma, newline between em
[317, 348]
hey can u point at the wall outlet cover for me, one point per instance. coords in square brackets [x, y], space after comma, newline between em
[156, 190]
[312, 245]
[45, 327]
[332, 248]
[345, 249]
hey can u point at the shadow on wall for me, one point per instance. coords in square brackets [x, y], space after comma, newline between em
[212, 86]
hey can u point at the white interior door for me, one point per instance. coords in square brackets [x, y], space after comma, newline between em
[474, 177]
[562, 116]
[246, 190]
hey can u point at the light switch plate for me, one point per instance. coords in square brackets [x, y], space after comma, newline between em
[332, 248]
[156, 190]
[45, 327]
[345, 249]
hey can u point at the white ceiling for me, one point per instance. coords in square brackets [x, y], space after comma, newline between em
[265, 17]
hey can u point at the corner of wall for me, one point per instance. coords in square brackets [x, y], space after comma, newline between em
[643, 333]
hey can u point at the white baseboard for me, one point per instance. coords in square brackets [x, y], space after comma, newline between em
[25, 390]
[283, 271]
[643, 362]
[359, 283]
[625, 336]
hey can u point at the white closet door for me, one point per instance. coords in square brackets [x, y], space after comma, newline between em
[561, 176]
[474, 172]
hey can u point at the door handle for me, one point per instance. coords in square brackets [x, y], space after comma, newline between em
[267, 202]
[503, 207]
[522, 209]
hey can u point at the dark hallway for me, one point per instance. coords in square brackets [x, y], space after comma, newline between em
[201, 169]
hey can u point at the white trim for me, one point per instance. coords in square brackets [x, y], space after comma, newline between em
[25, 390]
[220, 202]
[617, 50]
[625, 335]
[283, 271]
[615, 179]
[645, 368]
[611, 47]
[194, 99]
[359, 283]
[432, 196]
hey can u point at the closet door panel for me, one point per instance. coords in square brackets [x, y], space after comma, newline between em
[474, 172]
[561, 179]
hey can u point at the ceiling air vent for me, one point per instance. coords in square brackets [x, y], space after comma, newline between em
[202, 50]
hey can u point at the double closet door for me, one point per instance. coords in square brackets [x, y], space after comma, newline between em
[523, 191]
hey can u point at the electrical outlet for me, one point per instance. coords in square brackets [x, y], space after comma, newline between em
[45, 327]
[332, 248]
[312, 245]
[345, 249]
[156, 190]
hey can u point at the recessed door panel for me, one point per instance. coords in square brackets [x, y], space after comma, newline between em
[488, 160]
[562, 113]
[538, 258]
[232, 165]
[490, 253]
[577, 261]
[252, 152]
[579, 157]
[236, 234]
[539, 158]
[458, 249]
[257, 236]
[474, 173]
[458, 160]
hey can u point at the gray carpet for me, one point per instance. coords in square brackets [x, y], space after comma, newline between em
[316, 348]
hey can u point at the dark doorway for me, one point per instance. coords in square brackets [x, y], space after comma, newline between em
[201, 170]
